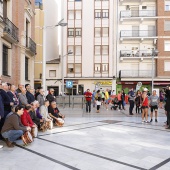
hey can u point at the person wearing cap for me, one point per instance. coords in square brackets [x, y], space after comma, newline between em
[88, 97]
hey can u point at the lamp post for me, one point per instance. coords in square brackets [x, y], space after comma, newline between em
[154, 53]
[60, 23]
[62, 60]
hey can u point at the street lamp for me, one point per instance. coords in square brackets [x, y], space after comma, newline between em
[62, 61]
[154, 53]
[60, 23]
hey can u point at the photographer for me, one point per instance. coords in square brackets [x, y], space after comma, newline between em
[167, 105]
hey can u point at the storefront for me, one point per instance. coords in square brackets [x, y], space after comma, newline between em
[126, 85]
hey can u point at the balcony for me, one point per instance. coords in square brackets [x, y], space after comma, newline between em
[137, 13]
[10, 31]
[30, 46]
[136, 73]
[138, 34]
[136, 53]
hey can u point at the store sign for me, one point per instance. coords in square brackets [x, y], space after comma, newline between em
[103, 82]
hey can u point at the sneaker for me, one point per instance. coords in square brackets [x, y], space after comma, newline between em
[156, 120]
[9, 144]
[151, 120]
[1, 146]
[146, 121]
[143, 121]
[106, 109]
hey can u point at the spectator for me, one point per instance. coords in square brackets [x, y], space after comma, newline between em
[13, 95]
[41, 97]
[88, 97]
[50, 97]
[131, 101]
[23, 98]
[29, 95]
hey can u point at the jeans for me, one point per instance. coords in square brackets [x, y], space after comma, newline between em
[131, 102]
[12, 135]
[88, 106]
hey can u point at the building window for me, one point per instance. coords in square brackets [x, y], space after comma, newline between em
[167, 5]
[166, 65]
[71, 14]
[105, 32]
[97, 32]
[27, 33]
[78, 50]
[74, 32]
[105, 68]
[166, 45]
[105, 13]
[70, 32]
[71, 48]
[70, 68]
[5, 60]
[166, 25]
[78, 32]
[97, 13]
[52, 73]
[26, 68]
[105, 49]
[77, 68]
[78, 14]
[97, 68]
[97, 50]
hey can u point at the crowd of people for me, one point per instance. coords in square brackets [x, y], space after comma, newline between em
[143, 101]
[24, 110]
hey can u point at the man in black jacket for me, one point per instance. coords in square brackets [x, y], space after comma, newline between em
[50, 97]
[167, 105]
[1, 114]
[30, 96]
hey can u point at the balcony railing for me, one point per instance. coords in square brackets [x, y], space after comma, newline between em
[31, 46]
[138, 33]
[136, 53]
[11, 29]
[136, 73]
[137, 13]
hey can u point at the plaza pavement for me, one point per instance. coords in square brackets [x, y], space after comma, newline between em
[109, 140]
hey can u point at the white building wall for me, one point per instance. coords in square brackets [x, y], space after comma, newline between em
[51, 19]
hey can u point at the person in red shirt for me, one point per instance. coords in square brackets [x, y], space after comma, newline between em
[88, 97]
[26, 119]
[145, 106]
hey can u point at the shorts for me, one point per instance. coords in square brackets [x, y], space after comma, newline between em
[103, 99]
[154, 108]
[144, 107]
[107, 101]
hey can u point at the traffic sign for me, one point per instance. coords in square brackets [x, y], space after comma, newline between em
[69, 84]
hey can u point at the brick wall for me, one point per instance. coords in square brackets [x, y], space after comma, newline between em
[162, 36]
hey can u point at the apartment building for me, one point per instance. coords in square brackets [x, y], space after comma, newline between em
[17, 45]
[89, 35]
[46, 19]
[143, 43]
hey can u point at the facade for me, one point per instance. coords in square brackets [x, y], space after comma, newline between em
[143, 40]
[46, 19]
[89, 35]
[17, 45]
